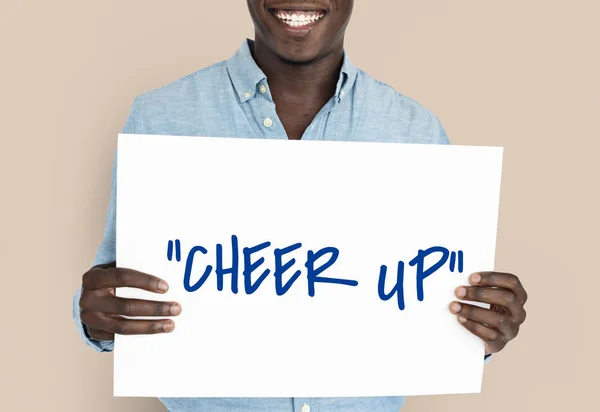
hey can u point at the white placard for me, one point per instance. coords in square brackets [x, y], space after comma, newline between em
[354, 206]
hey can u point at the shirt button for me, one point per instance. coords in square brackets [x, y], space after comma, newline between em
[262, 89]
[342, 93]
[305, 408]
[248, 94]
[268, 123]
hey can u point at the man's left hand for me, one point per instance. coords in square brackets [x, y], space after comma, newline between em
[500, 323]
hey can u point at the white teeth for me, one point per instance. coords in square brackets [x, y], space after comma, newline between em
[298, 20]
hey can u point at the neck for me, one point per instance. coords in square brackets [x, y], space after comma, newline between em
[299, 81]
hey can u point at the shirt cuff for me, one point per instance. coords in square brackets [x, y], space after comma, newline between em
[97, 345]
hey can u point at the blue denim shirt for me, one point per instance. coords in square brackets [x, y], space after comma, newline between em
[232, 99]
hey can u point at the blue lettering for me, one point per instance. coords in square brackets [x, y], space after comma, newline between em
[188, 270]
[314, 273]
[220, 271]
[419, 261]
[398, 289]
[250, 267]
[281, 268]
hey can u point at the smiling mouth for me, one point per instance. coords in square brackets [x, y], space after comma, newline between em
[298, 18]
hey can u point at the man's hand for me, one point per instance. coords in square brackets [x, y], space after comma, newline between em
[102, 312]
[500, 323]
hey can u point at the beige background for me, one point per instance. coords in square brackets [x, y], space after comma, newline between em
[520, 74]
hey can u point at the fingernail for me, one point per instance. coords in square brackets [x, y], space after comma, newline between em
[461, 319]
[461, 292]
[168, 326]
[476, 278]
[163, 286]
[455, 307]
[175, 310]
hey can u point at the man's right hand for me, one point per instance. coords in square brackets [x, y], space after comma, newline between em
[102, 312]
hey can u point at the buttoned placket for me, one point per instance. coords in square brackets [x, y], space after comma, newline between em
[270, 120]
[305, 405]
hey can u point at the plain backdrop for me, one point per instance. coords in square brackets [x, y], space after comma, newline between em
[518, 74]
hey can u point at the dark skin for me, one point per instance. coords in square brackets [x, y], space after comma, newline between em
[302, 67]
[499, 324]
[102, 312]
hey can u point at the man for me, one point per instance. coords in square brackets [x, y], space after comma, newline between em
[313, 92]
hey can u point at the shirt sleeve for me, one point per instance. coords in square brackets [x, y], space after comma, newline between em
[107, 251]
[440, 136]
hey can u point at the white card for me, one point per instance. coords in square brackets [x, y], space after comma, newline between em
[352, 207]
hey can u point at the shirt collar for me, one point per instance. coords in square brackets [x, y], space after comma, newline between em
[347, 78]
[246, 75]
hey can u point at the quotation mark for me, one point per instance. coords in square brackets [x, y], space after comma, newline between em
[177, 250]
[453, 261]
